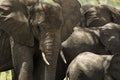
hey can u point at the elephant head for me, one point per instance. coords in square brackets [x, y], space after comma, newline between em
[95, 16]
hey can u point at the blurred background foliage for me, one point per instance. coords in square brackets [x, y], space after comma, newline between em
[116, 3]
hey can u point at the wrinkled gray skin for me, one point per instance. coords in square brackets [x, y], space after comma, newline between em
[89, 66]
[33, 29]
[99, 40]
[95, 16]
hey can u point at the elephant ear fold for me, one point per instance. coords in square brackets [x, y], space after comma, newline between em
[115, 13]
[71, 14]
[110, 37]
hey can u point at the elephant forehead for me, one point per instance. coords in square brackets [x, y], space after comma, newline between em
[44, 6]
[50, 10]
[48, 14]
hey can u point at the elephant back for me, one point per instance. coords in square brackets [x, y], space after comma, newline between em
[14, 21]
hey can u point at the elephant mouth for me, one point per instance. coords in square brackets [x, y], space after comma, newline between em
[47, 62]
[50, 46]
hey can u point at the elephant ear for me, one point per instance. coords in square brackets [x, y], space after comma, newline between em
[71, 15]
[84, 10]
[110, 37]
[115, 14]
[14, 21]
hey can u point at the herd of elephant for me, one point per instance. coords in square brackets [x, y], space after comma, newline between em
[48, 41]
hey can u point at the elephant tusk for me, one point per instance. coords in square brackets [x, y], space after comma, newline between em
[63, 57]
[44, 58]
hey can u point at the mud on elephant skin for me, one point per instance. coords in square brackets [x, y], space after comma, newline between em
[95, 16]
[14, 21]
[89, 66]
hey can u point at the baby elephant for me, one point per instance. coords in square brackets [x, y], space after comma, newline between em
[89, 66]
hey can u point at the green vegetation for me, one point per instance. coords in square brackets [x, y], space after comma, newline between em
[48, 1]
[115, 3]
[7, 75]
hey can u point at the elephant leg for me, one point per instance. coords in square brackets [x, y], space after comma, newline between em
[22, 61]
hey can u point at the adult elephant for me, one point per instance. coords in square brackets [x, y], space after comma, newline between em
[99, 40]
[71, 14]
[14, 21]
[95, 16]
[34, 31]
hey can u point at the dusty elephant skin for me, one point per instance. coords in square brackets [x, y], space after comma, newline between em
[89, 66]
[14, 21]
[35, 36]
[95, 16]
[96, 40]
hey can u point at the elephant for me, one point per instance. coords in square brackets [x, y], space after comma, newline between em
[89, 66]
[95, 16]
[33, 33]
[100, 40]
[16, 24]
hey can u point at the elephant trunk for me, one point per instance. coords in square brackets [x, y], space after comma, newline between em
[50, 52]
